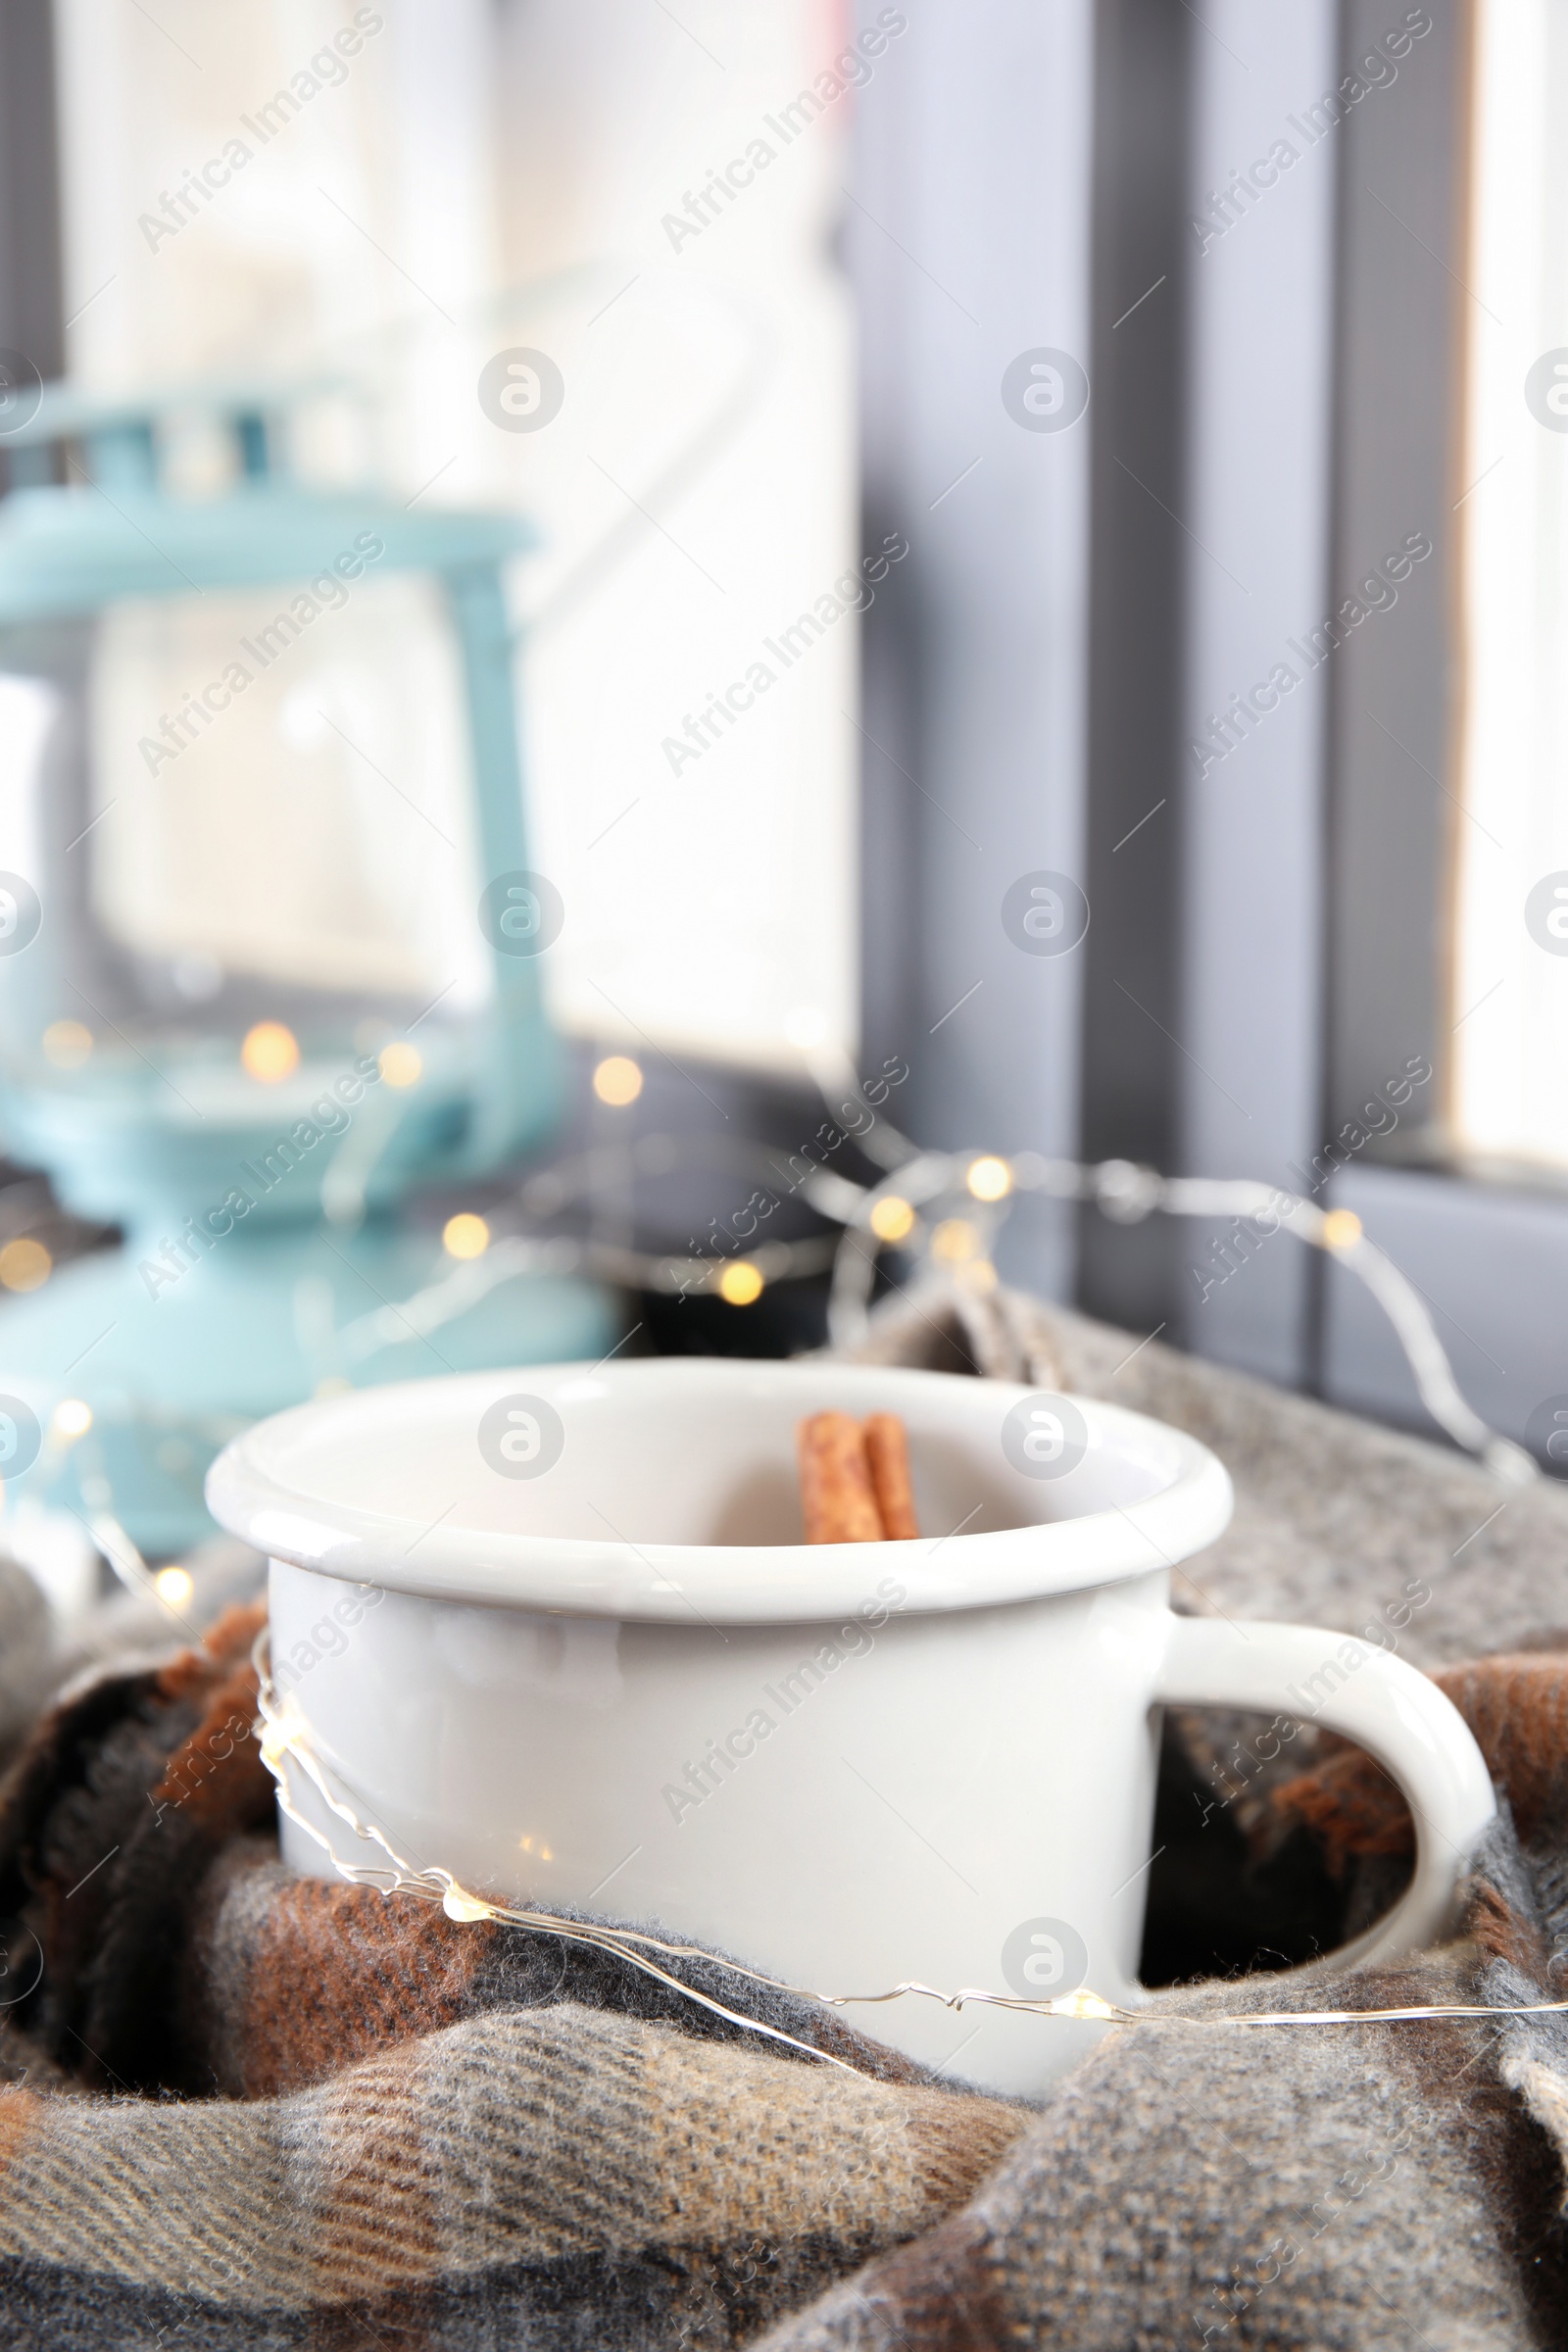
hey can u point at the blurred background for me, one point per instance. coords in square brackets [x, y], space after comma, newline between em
[873, 607]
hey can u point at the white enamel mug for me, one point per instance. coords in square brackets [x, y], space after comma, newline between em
[557, 1630]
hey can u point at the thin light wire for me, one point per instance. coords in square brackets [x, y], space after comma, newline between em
[1127, 1194]
[1124, 1192]
[284, 1741]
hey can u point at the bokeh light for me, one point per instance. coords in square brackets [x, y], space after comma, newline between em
[892, 1218]
[740, 1283]
[989, 1178]
[466, 1235]
[25, 1265]
[617, 1080]
[67, 1044]
[269, 1052]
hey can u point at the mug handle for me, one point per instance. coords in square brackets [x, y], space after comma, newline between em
[1383, 1705]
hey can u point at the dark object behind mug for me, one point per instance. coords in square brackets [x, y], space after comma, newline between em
[1235, 1887]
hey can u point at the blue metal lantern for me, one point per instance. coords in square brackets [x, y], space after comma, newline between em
[268, 948]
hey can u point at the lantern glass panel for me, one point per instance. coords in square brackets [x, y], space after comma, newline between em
[241, 805]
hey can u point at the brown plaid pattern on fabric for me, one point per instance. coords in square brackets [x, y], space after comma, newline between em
[240, 2109]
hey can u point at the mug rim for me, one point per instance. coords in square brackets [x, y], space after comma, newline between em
[251, 1493]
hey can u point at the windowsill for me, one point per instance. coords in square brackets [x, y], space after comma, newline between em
[1433, 1153]
[1490, 1260]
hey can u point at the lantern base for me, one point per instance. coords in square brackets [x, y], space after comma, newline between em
[173, 1364]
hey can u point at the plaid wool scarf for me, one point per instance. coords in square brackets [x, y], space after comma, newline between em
[242, 2108]
[238, 2108]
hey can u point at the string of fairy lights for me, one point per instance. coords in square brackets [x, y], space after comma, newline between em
[935, 1214]
[924, 1224]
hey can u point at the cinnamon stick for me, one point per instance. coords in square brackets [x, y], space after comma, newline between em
[837, 1496]
[887, 1450]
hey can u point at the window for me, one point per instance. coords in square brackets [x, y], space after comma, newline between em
[1509, 1089]
[381, 202]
